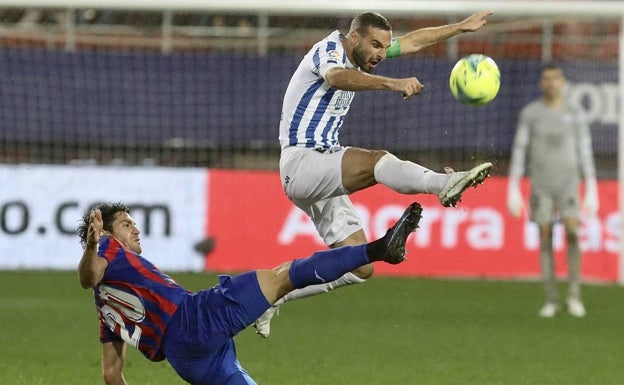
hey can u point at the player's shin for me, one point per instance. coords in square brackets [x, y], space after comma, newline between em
[326, 266]
[407, 177]
[309, 291]
[574, 264]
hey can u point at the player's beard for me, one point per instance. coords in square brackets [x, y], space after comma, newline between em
[360, 60]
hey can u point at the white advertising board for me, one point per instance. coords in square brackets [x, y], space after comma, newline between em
[40, 207]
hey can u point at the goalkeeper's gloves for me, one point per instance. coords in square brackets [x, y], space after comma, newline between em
[514, 197]
[590, 201]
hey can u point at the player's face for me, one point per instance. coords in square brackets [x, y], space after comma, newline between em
[552, 82]
[126, 231]
[370, 48]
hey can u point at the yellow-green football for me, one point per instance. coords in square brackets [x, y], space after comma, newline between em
[475, 80]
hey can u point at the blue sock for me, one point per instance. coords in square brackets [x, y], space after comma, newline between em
[327, 266]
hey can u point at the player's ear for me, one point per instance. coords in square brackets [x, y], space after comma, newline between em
[353, 37]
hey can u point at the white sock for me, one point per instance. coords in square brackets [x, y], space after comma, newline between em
[308, 291]
[407, 177]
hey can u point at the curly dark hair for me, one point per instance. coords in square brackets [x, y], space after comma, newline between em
[108, 211]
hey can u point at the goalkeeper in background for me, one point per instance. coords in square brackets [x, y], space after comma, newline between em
[554, 142]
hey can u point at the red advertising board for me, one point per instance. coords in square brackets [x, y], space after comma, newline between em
[256, 226]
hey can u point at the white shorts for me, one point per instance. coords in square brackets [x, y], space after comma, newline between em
[312, 180]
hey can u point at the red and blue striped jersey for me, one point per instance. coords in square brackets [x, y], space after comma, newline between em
[135, 299]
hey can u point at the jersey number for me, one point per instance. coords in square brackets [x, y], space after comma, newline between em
[118, 302]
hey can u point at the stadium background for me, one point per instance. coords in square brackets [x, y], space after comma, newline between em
[148, 93]
[174, 109]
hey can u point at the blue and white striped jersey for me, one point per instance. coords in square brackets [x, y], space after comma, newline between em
[312, 111]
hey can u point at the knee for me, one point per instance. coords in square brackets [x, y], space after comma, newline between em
[378, 154]
[281, 277]
[545, 232]
[571, 234]
[282, 267]
[370, 158]
[111, 375]
[571, 228]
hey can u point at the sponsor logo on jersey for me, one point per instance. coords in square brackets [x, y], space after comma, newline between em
[334, 55]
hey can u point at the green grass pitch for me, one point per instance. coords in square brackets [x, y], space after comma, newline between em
[386, 331]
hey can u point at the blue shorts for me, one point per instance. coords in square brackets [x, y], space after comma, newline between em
[198, 342]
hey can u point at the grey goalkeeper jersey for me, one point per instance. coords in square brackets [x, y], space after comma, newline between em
[553, 147]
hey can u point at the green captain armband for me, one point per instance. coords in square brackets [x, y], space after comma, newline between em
[394, 50]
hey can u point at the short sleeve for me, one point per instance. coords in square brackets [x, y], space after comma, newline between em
[109, 248]
[328, 56]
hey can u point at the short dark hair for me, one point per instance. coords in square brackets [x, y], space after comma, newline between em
[108, 211]
[364, 20]
[551, 66]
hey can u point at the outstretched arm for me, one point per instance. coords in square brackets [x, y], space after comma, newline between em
[424, 37]
[91, 267]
